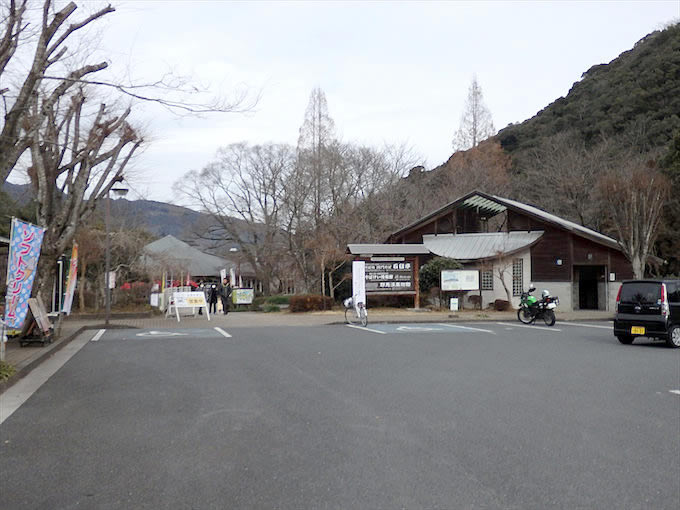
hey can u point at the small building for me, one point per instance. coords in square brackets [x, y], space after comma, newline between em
[179, 259]
[511, 244]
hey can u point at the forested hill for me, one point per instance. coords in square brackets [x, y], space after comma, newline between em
[639, 90]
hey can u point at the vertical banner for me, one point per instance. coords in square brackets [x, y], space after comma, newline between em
[24, 251]
[71, 281]
[359, 281]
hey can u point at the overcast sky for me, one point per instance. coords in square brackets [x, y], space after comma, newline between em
[392, 72]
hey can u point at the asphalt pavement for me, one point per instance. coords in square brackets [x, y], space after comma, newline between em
[485, 414]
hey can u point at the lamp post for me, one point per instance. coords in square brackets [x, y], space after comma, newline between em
[107, 269]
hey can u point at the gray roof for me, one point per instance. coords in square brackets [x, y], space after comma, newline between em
[387, 249]
[492, 204]
[171, 251]
[566, 224]
[479, 246]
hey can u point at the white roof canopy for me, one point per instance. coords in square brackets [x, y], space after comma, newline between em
[479, 246]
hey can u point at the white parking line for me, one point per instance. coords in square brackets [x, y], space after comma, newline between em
[530, 327]
[98, 335]
[366, 329]
[586, 325]
[677, 392]
[468, 328]
[222, 332]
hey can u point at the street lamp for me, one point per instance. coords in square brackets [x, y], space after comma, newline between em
[119, 192]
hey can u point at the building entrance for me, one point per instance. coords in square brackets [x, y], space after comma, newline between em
[590, 287]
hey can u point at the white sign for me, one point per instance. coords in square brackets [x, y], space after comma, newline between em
[112, 280]
[243, 296]
[187, 300]
[453, 305]
[153, 299]
[359, 281]
[459, 280]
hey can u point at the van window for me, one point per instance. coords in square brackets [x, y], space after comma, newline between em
[673, 289]
[641, 293]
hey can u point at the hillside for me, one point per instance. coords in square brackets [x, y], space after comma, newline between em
[637, 91]
[159, 218]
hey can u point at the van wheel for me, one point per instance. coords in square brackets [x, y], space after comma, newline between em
[673, 337]
[625, 339]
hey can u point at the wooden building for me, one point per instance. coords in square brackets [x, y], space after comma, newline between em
[512, 245]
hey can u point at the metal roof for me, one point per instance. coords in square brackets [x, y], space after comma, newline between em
[479, 246]
[387, 249]
[492, 204]
[170, 250]
[566, 224]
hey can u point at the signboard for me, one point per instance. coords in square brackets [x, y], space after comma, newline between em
[40, 315]
[459, 280]
[24, 251]
[243, 296]
[389, 276]
[187, 300]
[359, 281]
[112, 279]
[71, 281]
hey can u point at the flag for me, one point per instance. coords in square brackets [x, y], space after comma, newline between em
[71, 281]
[22, 264]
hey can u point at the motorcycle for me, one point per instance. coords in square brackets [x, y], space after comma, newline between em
[531, 309]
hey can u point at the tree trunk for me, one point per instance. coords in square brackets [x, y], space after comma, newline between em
[82, 284]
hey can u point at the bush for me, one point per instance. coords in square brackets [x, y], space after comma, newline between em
[6, 370]
[430, 273]
[310, 302]
[501, 305]
[270, 308]
[278, 300]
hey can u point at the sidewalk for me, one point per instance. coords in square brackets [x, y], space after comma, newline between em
[24, 359]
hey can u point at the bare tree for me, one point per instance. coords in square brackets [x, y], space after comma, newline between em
[243, 191]
[634, 196]
[317, 136]
[476, 123]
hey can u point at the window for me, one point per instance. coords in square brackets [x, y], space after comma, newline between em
[487, 279]
[517, 277]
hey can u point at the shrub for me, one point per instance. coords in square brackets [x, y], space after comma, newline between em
[270, 308]
[430, 273]
[278, 300]
[6, 371]
[501, 305]
[310, 302]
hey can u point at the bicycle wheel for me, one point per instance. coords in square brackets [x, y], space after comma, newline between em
[363, 316]
[349, 315]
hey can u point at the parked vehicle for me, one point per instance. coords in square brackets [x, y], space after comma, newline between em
[531, 309]
[648, 308]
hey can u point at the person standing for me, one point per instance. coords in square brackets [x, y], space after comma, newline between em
[212, 298]
[225, 295]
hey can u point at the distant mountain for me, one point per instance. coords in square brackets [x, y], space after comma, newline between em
[158, 218]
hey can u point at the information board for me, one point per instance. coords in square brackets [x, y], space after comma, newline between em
[187, 300]
[459, 280]
[243, 296]
[389, 276]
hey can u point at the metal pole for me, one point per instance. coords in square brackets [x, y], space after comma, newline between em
[107, 265]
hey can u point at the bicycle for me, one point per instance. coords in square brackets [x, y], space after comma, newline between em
[355, 314]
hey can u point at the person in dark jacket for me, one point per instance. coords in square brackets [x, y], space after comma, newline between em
[225, 295]
[212, 298]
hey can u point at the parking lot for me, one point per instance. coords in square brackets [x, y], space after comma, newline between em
[483, 414]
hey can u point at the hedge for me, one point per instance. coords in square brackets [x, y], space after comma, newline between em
[310, 302]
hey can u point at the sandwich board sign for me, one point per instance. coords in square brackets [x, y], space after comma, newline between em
[187, 300]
